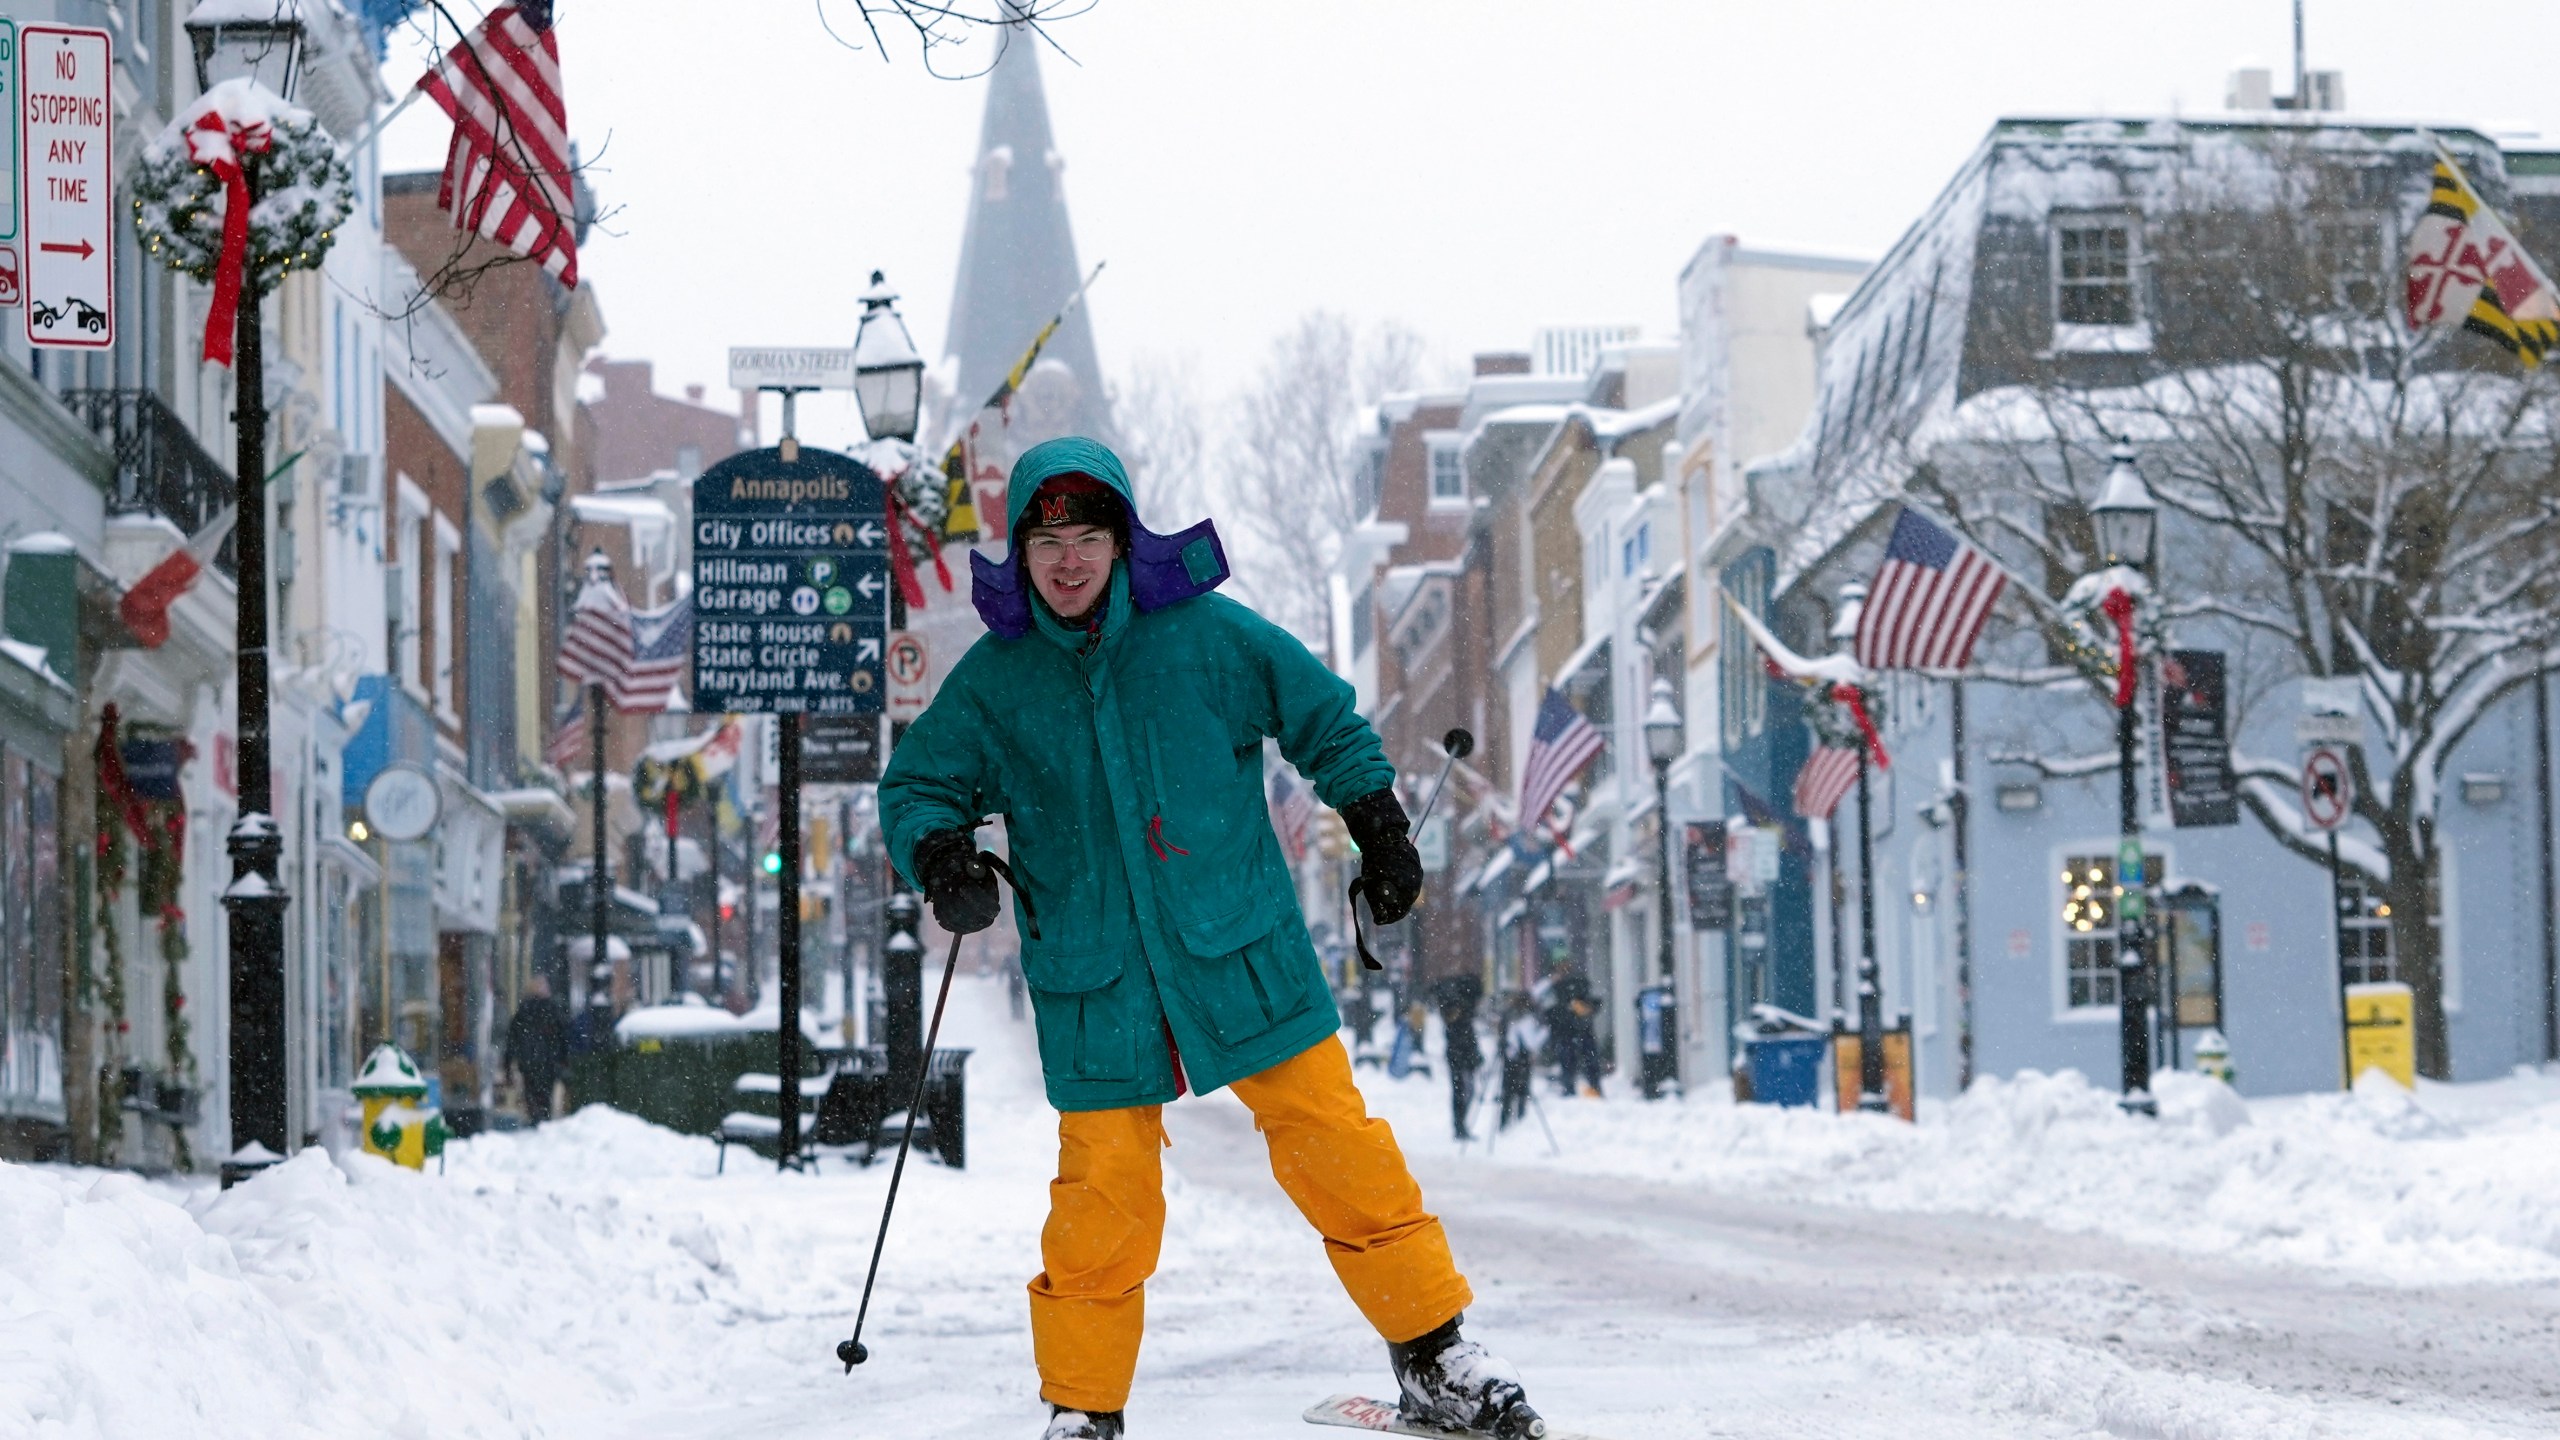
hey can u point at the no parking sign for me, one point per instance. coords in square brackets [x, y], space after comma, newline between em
[2328, 788]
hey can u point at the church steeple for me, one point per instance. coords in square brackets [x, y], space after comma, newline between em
[1018, 263]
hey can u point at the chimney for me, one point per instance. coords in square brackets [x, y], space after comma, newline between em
[693, 394]
[1502, 362]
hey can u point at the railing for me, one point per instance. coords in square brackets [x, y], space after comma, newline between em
[160, 468]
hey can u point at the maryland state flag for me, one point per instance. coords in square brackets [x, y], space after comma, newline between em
[2466, 268]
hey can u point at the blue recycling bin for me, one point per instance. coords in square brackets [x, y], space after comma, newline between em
[1785, 1069]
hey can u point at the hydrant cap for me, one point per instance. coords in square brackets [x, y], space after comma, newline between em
[390, 1073]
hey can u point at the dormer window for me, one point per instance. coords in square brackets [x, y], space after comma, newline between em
[2095, 260]
[1448, 469]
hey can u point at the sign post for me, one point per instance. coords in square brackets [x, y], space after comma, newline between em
[65, 123]
[2328, 796]
[790, 597]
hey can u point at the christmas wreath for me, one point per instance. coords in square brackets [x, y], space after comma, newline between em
[186, 183]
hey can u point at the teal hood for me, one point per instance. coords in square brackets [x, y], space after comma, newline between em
[1161, 569]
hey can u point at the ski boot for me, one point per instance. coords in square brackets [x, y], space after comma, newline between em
[1066, 1424]
[1451, 1383]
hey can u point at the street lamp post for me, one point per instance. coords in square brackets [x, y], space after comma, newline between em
[268, 50]
[1663, 741]
[888, 383]
[2126, 520]
[1664, 738]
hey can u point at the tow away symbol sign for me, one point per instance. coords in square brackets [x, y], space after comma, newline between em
[66, 193]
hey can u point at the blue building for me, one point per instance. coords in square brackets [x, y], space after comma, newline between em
[2079, 282]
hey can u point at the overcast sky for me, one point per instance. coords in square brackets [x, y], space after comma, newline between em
[1471, 168]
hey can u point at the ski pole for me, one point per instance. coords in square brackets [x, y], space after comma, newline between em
[852, 1352]
[1457, 745]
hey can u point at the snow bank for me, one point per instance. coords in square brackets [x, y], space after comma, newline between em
[2450, 1184]
[554, 1283]
[325, 1300]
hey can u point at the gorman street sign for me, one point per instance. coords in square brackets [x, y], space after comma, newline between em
[790, 585]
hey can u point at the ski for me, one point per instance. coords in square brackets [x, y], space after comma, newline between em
[1355, 1412]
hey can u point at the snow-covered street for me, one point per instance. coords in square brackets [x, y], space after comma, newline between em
[1679, 1270]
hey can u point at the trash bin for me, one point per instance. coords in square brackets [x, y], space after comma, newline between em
[1785, 1069]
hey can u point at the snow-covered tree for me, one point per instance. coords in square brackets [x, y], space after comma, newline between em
[1294, 454]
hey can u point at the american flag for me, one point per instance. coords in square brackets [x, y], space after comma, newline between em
[1824, 778]
[596, 645]
[568, 737]
[1293, 805]
[1929, 600]
[507, 173]
[662, 650]
[1561, 745]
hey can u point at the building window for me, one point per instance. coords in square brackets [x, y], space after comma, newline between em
[1745, 701]
[2089, 923]
[2094, 264]
[2364, 932]
[443, 579]
[407, 579]
[1448, 470]
[2352, 257]
[1635, 554]
[688, 461]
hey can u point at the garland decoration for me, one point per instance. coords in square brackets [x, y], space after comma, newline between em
[240, 189]
[118, 807]
[126, 817]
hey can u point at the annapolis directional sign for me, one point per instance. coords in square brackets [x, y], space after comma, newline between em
[790, 585]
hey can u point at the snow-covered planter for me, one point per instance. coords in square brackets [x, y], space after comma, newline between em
[302, 188]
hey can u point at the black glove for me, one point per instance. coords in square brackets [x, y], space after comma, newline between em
[1390, 868]
[957, 881]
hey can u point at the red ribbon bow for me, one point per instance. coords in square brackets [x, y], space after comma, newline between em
[1856, 699]
[902, 563]
[2119, 608]
[219, 145]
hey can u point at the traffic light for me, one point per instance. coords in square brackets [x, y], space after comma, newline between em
[773, 862]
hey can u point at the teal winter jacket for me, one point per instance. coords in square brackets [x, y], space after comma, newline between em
[1129, 772]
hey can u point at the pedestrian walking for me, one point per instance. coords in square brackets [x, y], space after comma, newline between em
[1458, 996]
[1577, 1039]
[1523, 1036]
[1115, 717]
[538, 1047]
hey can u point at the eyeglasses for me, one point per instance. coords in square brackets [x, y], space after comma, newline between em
[1051, 550]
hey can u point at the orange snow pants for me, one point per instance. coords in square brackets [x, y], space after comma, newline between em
[1106, 1223]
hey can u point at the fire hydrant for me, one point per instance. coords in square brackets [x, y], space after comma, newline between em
[2213, 1056]
[399, 1125]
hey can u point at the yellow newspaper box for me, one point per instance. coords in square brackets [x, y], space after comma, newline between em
[2382, 1032]
[399, 1125]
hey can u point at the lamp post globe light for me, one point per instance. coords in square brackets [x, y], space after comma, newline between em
[261, 40]
[2127, 522]
[888, 373]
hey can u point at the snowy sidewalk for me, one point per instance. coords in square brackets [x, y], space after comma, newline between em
[1682, 1269]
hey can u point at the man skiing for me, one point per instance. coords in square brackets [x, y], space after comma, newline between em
[1115, 718]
